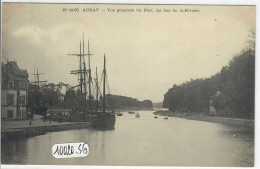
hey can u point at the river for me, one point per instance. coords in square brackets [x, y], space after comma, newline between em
[146, 141]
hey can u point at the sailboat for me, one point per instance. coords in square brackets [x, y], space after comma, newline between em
[137, 115]
[104, 119]
[80, 110]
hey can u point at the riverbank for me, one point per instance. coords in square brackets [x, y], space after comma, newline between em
[132, 109]
[202, 117]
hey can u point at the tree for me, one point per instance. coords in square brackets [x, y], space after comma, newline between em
[236, 82]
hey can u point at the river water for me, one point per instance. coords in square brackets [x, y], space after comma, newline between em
[146, 141]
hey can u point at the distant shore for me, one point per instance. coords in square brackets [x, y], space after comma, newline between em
[133, 109]
[202, 117]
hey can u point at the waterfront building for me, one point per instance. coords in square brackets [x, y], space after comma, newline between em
[61, 98]
[58, 111]
[14, 95]
[212, 108]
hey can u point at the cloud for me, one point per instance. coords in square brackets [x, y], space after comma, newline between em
[33, 33]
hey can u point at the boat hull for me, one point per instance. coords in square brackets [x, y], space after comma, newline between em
[105, 121]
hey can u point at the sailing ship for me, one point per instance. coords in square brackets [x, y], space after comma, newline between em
[100, 119]
[105, 119]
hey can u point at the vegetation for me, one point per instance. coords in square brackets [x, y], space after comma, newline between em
[43, 98]
[157, 105]
[235, 85]
[123, 102]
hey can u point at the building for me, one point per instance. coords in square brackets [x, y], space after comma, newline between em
[61, 98]
[58, 111]
[212, 108]
[14, 87]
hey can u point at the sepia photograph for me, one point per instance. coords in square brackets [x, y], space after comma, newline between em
[88, 84]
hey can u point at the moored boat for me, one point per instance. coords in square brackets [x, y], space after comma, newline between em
[100, 119]
[119, 114]
[131, 112]
[105, 119]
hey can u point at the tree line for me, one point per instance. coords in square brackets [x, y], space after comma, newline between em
[40, 99]
[123, 102]
[235, 85]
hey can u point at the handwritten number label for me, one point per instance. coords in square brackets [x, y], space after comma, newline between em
[68, 150]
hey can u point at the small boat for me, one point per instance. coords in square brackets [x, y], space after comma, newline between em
[155, 117]
[119, 114]
[131, 112]
[137, 115]
[165, 118]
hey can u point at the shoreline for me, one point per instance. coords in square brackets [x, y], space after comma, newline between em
[206, 118]
[135, 110]
[7, 133]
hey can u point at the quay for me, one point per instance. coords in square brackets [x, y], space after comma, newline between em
[22, 128]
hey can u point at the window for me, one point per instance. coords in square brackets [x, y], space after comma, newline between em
[22, 100]
[23, 113]
[10, 84]
[10, 99]
[21, 84]
[19, 114]
[10, 114]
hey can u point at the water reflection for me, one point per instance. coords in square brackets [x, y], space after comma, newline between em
[145, 141]
[14, 151]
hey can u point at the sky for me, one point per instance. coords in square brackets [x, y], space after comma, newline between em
[147, 52]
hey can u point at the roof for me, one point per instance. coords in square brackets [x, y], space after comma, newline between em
[11, 72]
[12, 68]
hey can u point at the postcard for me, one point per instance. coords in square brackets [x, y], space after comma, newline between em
[128, 85]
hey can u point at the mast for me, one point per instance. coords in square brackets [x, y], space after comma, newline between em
[38, 83]
[84, 77]
[90, 79]
[80, 68]
[104, 88]
[97, 88]
[82, 72]
[37, 78]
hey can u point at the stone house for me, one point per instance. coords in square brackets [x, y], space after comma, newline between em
[14, 95]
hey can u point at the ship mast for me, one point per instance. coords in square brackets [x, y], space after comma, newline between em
[84, 77]
[82, 73]
[37, 78]
[80, 68]
[90, 79]
[104, 83]
[97, 88]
